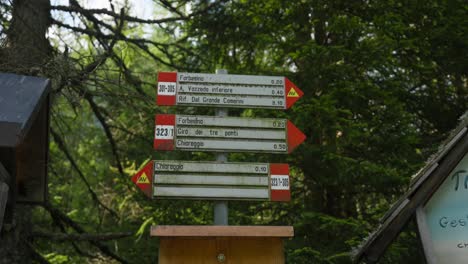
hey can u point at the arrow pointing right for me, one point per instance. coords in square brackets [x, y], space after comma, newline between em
[295, 136]
[211, 133]
[293, 93]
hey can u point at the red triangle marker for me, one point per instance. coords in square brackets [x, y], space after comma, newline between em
[144, 179]
[293, 93]
[295, 137]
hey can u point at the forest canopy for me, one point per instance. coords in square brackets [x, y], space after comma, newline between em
[384, 83]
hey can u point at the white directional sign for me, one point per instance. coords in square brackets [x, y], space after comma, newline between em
[221, 180]
[209, 133]
[244, 91]
[211, 180]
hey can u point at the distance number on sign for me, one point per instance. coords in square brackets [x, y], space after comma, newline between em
[277, 102]
[261, 169]
[279, 124]
[280, 146]
[277, 82]
[277, 92]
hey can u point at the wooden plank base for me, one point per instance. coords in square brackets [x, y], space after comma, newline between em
[239, 250]
[221, 244]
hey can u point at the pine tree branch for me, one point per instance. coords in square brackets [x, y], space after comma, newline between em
[55, 213]
[140, 43]
[128, 76]
[107, 130]
[103, 11]
[82, 236]
[117, 35]
[58, 223]
[101, 35]
[64, 149]
[89, 98]
[36, 256]
[74, 7]
[169, 7]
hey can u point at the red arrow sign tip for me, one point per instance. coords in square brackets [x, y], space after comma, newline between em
[293, 93]
[144, 179]
[295, 136]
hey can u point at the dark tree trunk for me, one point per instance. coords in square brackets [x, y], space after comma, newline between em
[26, 51]
[27, 48]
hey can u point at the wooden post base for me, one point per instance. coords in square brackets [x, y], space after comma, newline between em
[221, 244]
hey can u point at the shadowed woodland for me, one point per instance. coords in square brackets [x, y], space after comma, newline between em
[384, 83]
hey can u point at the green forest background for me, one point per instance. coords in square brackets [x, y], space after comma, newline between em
[384, 82]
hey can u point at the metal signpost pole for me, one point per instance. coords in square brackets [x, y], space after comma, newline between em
[221, 211]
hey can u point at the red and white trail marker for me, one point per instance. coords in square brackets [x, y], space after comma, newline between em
[214, 133]
[215, 181]
[222, 90]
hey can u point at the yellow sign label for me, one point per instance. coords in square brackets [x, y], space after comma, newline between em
[293, 93]
[143, 179]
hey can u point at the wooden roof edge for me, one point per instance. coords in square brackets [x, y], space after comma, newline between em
[431, 165]
[357, 253]
[459, 133]
[454, 136]
[372, 248]
[47, 86]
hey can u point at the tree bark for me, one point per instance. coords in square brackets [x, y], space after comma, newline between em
[27, 48]
[26, 52]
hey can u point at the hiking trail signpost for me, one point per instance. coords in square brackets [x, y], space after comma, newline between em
[210, 133]
[221, 180]
[223, 90]
[214, 181]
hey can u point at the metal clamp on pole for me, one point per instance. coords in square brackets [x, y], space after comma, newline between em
[221, 210]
